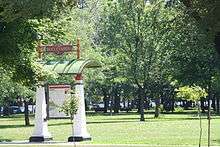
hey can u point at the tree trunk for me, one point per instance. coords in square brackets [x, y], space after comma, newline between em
[116, 104]
[142, 109]
[132, 104]
[217, 106]
[111, 105]
[111, 98]
[157, 108]
[106, 101]
[213, 103]
[138, 103]
[116, 101]
[86, 105]
[128, 106]
[210, 96]
[203, 105]
[209, 121]
[141, 97]
[26, 113]
[173, 104]
[185, 105]
[124, 103]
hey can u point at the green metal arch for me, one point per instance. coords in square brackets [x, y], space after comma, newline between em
[70, 67]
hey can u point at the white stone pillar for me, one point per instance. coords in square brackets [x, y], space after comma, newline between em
[79, 128]
[41, 132]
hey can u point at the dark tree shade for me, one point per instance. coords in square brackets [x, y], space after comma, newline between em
[18, 35]
[217, 42]
[29, 9]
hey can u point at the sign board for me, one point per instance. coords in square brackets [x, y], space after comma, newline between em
[57, 95]
[57, 49]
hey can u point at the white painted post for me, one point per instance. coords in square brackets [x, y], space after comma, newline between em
[41, 132]
[79, 129]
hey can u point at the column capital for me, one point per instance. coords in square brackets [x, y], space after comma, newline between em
[78, 77]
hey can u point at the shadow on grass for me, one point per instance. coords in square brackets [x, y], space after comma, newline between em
[14, 126]
[109, 114]
[152, 118]
[189, 112]
[92, 122]
[64, 123]
[126, 120]
[158, 119]
[109, 121]
[216, 141]
[60, 124]
[5, 140]
[16, 116]
[23, 126]
[92, 113]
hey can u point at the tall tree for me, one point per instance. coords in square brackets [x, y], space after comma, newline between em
[18, 35]
[134, 31]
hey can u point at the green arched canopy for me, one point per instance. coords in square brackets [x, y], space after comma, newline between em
[70, 67]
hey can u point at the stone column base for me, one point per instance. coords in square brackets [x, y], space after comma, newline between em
[39, 139]
[78, 139]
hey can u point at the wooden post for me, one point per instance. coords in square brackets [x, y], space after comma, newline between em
[39, 50]
[78, 48]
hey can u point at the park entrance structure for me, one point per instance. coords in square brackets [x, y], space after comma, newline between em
[75, 68]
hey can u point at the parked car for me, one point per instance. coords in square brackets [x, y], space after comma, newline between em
[15, 109]
[98, 107]
[1, 111]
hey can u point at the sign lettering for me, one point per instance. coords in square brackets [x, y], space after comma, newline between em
[57, 49]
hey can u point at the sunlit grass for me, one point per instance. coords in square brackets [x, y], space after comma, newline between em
[169, 129]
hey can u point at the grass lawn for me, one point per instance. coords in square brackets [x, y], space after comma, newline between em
[169, 129]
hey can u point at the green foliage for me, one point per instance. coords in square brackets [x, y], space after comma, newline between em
[17, 47]
[42, 74]
[205, 12]
[132, 33]
[20, 26]
[191, 93]
[194, 59]
[179, 109]
[70, 105]
[11, 10]
[10, 90]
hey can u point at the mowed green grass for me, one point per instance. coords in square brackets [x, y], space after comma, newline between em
[169, 129]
